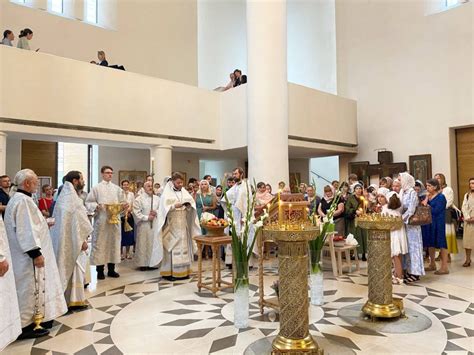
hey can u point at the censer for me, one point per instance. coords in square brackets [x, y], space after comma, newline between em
[126, 226]
[38, 316]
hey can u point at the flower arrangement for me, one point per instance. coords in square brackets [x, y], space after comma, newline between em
[241, 247]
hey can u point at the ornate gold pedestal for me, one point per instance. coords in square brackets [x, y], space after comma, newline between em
[294, 336]
[380, 303]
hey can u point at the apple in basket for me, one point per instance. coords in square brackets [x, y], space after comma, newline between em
[339, 241]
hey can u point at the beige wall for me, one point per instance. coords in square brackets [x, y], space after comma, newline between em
[152, 37]
[411, 75]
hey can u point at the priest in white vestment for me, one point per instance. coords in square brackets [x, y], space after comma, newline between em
[148, 245]
[238, 196]
[10, 324]
[33, 261]
[177, 224]
[69, 236]
[106, 237]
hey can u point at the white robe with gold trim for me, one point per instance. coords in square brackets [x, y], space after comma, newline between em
[177, 226]
[148, 244]
[27, 230]
[10, 324]
[71, 229]
[106, 238]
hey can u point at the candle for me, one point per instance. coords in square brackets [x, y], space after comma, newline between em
[152, 166]
[289, 212]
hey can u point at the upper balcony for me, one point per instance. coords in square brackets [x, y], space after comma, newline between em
[50, 95]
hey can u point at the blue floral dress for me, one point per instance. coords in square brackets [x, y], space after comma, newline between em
[413, 261]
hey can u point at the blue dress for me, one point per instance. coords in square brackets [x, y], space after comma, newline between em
[436, 231]
[413, 261]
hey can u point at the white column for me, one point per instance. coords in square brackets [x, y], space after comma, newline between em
[267, 92]
[3, 153]
[160, 163]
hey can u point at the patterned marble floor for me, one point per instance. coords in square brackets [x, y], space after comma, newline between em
[140, 313]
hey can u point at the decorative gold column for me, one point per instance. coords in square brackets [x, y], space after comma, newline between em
[380, 303]
[294, 336]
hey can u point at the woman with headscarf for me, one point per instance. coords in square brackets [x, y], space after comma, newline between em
[448, 193]
[422, 194]
[413, 261]
[354, 208]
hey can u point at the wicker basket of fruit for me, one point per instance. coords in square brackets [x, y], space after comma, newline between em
[214, 226]
[339, 241]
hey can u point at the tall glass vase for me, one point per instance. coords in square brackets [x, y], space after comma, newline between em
[241, 295]
[316, 278]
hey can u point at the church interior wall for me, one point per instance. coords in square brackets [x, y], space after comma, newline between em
[411, 75]
[123, 159]
[300, 166]
[311, 42]
[156, 38]
[186, 163]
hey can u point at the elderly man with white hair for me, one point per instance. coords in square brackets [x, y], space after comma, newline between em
[37, 279]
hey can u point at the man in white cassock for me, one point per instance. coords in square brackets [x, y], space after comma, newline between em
[10, 324]
[148, 245]
[69, 236]
[238, 196]
[177, 224]
[33, 261]
[106, 237]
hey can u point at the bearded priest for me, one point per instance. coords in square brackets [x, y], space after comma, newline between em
[10, 325]
[34, 263]
[148, 245]
[177, 224]
[69, 235]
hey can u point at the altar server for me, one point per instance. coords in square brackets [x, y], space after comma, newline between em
[69, 235]
[177, 224]
[106, 238]
[148, 245]
[34, 263]
[10, 325]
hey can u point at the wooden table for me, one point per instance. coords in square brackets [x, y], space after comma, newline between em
[215, 242]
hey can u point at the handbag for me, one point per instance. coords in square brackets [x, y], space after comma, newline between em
[421, 217]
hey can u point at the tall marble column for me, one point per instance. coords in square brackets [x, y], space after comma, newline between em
[3, 153]
[161, 158]
[267, 92]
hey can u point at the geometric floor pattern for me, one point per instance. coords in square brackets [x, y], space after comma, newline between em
[156, 316]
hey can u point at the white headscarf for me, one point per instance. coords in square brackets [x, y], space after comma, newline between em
[407, 181]
[383, 191]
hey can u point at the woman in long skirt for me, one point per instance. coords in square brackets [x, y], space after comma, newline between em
[413, 261]
[468, 213]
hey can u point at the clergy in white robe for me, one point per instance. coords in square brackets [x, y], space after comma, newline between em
[238, 195]
[106, 237]
[69, 236]
[177, 223]
[148, 245]
[10, 324]
[32, 253]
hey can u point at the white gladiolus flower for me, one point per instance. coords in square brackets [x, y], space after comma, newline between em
[259, 224]
[252, 220]
[325, 219]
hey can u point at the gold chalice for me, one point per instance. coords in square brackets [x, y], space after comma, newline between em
[113, 212]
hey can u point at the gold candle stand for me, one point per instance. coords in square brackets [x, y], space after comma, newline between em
[294, 336]
[380, 302]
